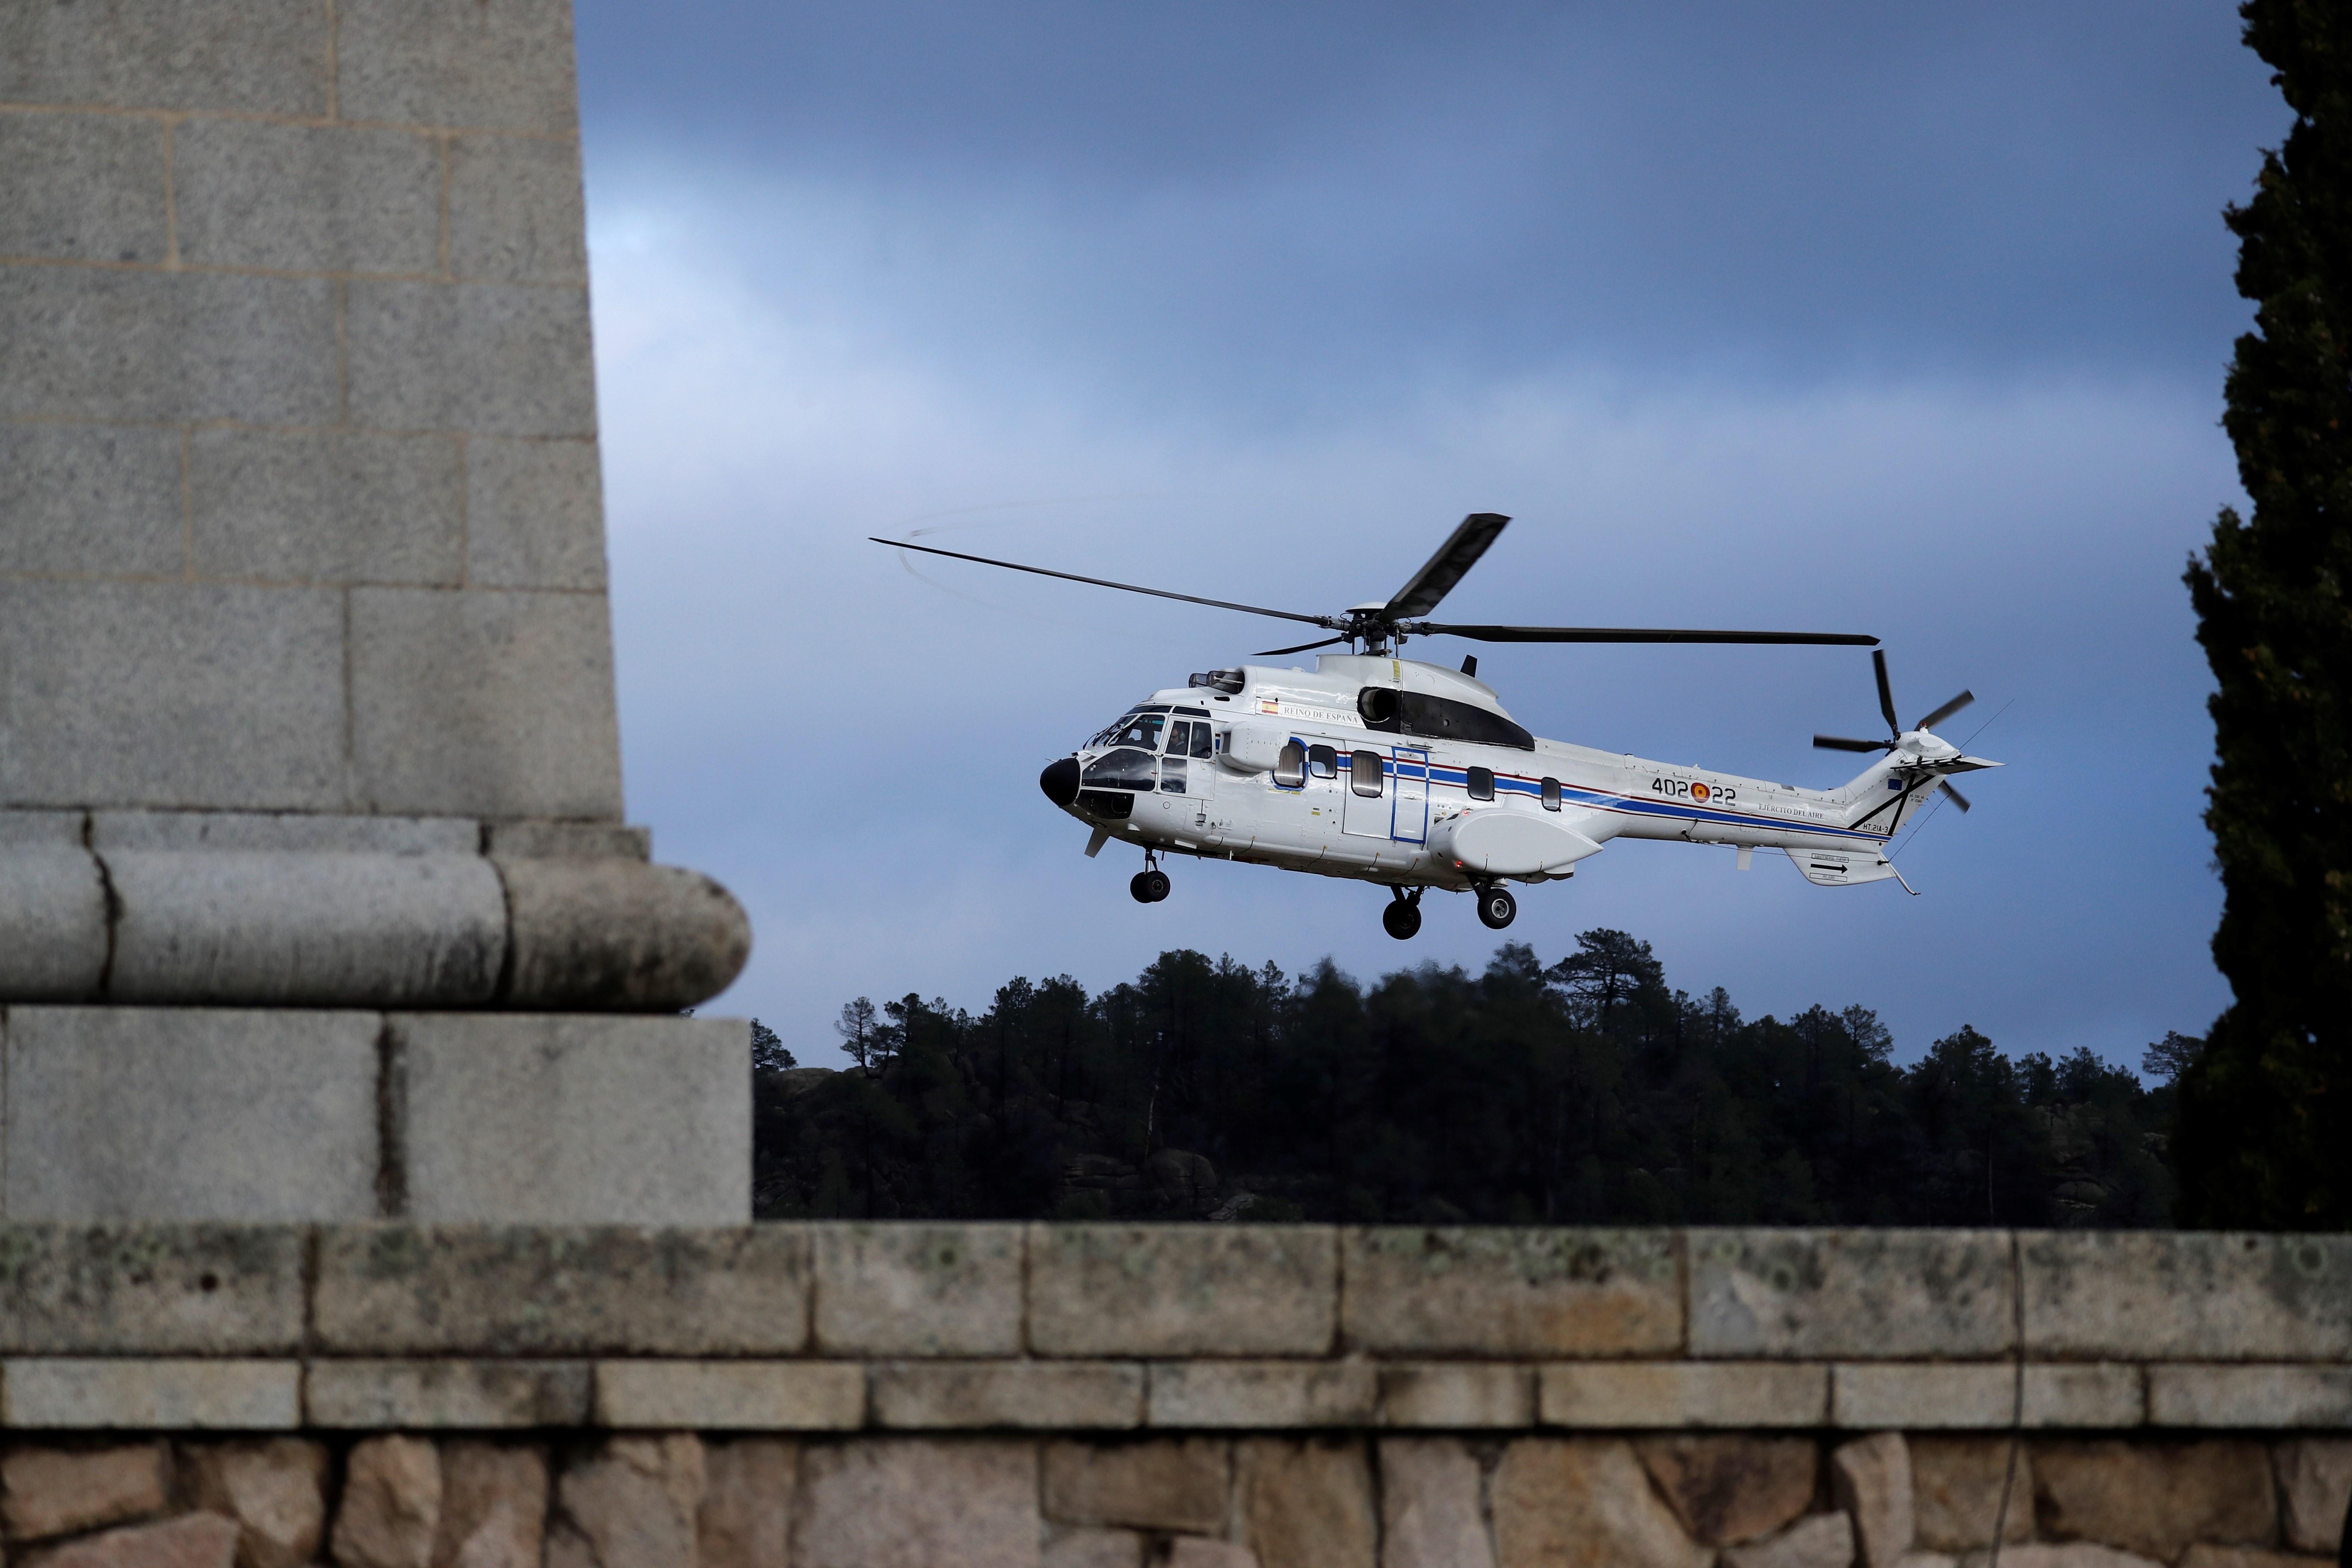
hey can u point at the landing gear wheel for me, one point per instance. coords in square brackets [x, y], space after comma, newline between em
[1402, 919]
[1148, 887]
[1496, 907]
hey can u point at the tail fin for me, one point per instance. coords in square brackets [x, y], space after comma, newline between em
[1894, 790]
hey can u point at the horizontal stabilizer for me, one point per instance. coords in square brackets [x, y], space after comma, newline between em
[1841, 868]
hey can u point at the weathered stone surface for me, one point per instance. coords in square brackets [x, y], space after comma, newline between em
[2154, 1498]
[1583, 1502]
[1074, 1396]
[620, 936]
[333, 198]
[279, 929]
[1457, 1394]
[1198, 1551]
[2074, 1554]
[55, 1491]
[1511, 1291]
[1860, 1294]
[390, 1507]
[1087, 1547]
[1634, 1394]
[637, 1500]
[310, 832]
[358, 1395]
[2204, 1556]
[731, 1395]
[102, 345]
[747, 1503]
[2315, 1483]
[1955, 1492]
[65, 1393]
[515, 210]
[2189, 1295]
[190, 1113]
[495, 359]
[149, 1289]
[1224, 1290]
[542, 840]
[1729, 1490]
[1270, 1394]
[488, 702]
[84, 499]
[918, 1290]
[1305, 1504]
[105, 708]
[53, 916]
[534, 516]
[1431, 1516]
[216, 55]
[910, 1503]
[1825, 1541]
[327, 505]
[276, 1490]
[192, 1541]
[1871, 1481]
[83, 187]
[457, 63]
[1926, 1396]
[1168, 1483]
[402, 1290]
[493, 1506]
[559, 1119]
[2255, 1396]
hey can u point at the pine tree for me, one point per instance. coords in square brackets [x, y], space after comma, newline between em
[2260, 1136]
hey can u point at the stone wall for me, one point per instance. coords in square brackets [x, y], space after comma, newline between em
[830, 1396]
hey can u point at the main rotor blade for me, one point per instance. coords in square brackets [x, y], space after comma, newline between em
[1946, 711]
[1885, 692]
[1107, 583]
[1840, 743]
[1454, 558]
[1302, 647]
[1627, 634]
[1958, 798]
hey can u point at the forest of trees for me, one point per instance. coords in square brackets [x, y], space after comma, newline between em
[1583, 1092]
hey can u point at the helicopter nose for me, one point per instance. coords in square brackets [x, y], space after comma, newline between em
[1060, 781]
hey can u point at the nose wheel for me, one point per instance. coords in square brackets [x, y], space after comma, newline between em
[1402, 919]
[1150, 885]
[1496, 907]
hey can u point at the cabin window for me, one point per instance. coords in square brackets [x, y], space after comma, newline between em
[1171, 774]
[1364, 772]
[1551, 795]
[1322, 762]
[1482, 784]
[1122, 769]
[1205, 739]
[1290, 767]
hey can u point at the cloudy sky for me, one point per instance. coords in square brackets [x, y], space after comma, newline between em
[1909, 320]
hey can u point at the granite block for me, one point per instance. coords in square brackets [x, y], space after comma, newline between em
[1510, 1292]
[542, 1289]
[326, 506]
[328, 198]
[82, 187]
[88, 501]
[1157, 1290]
[491, 359]
[484, 703]
[1860, 1294]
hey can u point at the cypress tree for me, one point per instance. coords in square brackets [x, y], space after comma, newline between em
[2264, 1134]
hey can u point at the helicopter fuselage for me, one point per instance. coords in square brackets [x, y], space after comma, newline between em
[1394, 771]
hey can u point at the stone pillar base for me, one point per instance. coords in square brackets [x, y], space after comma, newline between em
[300, 1115]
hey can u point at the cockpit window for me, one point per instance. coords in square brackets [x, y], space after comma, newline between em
[1123, 769]
[1135, 729]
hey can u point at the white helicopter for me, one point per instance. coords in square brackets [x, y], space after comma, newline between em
[1411, 775]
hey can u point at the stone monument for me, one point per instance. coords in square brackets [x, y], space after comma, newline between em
[317, 901]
